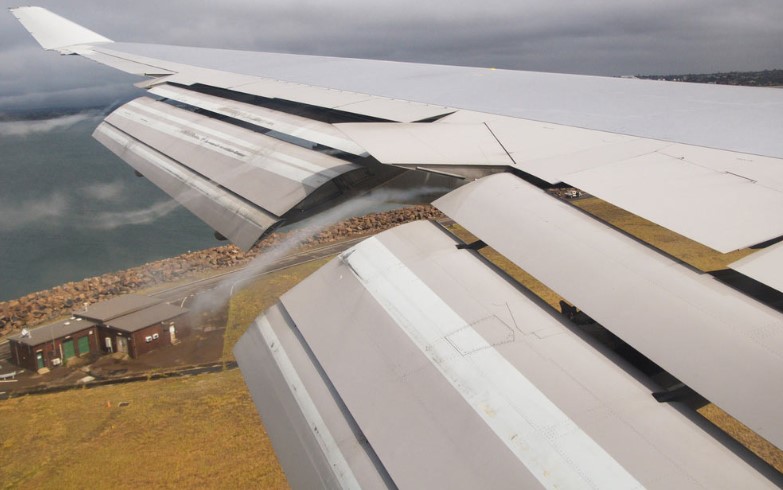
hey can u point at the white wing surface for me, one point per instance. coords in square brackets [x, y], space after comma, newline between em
[714, 151]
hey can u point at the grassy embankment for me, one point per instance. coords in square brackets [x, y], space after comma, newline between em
[253, 299]
[196, 432]
[199, 432]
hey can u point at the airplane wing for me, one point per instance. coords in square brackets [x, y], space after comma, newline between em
[411, 360]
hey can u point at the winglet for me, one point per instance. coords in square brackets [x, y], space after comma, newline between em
[54, 32]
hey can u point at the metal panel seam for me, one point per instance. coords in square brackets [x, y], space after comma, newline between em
[340, 467]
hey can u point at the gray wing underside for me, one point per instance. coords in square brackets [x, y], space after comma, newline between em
[409, 362]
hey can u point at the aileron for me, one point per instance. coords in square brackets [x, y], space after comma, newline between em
[225, 212]
[273, 174]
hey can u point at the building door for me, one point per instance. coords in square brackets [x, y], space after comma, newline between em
[122, 345]
[68, 351]
[39, 359]
[84, 345]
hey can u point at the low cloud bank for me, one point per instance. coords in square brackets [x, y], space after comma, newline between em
[59, 209]
[112, 220]
[17, 215]
[25, 128]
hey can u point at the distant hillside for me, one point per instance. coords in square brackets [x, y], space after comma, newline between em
[766, 78]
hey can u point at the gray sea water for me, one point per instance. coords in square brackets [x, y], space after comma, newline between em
[70, 209]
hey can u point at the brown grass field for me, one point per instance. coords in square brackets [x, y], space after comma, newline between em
[196, 432]
[258, 296]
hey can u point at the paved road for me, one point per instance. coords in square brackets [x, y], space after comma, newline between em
[235, 278]
[180, 294]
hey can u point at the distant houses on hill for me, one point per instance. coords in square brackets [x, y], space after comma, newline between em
[764, 78]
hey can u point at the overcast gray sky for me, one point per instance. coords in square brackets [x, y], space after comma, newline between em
[598, 37]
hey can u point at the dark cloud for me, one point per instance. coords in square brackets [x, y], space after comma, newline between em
[603, 37]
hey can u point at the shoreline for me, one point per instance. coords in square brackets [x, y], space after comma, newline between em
[40, 307]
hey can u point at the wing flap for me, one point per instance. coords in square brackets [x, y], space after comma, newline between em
[721, 209]
[316, 440]
[457, 378]
[231, 216]
[373, 364]
[701, 331]
[722, 199]
[347, 101]
[292, 125]
[429, 144]
[273, 174]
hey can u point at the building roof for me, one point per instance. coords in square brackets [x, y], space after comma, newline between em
[117, 307]
[144, 318]
[47, 333]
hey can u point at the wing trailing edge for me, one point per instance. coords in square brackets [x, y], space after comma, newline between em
[406, 354]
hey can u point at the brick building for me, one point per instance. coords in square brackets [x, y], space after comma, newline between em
[51, 345]
[140, 332]
[131, 323]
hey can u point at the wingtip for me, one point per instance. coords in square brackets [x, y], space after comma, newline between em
[26, 7]
[54, 32]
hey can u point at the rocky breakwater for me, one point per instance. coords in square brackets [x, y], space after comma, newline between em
[42, 306]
